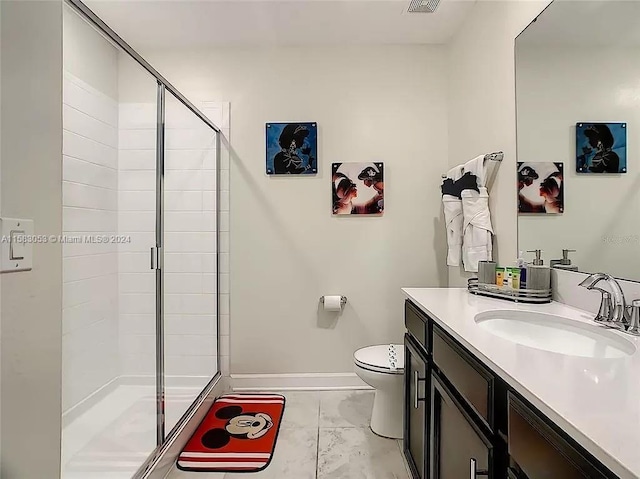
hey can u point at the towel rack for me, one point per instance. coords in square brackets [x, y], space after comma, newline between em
[496, 157]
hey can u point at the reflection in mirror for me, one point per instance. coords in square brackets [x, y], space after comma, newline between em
[578, 119]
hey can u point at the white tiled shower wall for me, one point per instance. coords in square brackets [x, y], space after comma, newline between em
[109, 188]
[90, 275]
[190, 242]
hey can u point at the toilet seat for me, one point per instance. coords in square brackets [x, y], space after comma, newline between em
[383, 358]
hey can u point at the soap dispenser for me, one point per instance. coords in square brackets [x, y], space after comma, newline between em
[565, 262]
[538, 275]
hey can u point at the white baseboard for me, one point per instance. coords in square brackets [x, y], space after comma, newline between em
[297, 382]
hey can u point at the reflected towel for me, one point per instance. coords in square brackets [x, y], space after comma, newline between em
[452, 206]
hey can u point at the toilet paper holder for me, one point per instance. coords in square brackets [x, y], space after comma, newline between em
[343, 300]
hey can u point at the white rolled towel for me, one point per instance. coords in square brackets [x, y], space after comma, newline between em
[452, 206]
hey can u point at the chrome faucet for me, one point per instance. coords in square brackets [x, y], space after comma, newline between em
[613, 307]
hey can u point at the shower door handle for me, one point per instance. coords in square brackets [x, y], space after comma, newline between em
[155, 257]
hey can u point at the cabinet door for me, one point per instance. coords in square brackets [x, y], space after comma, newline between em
[416, 409]
[459, 449]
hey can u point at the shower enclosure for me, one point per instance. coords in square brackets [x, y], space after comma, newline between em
[141, 176]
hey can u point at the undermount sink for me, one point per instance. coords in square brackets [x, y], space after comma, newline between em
[555, 333]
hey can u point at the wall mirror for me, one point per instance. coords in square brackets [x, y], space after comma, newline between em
[578, 131]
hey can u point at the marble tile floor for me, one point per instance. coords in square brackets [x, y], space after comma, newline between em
[326, 435]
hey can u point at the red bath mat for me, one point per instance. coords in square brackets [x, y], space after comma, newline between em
[238, 434]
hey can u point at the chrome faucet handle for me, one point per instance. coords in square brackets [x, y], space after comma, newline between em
[606, 307]
[634, 317]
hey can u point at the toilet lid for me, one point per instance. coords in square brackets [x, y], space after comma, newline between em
[384, 358]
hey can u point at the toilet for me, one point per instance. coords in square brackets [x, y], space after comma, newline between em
[382, 367]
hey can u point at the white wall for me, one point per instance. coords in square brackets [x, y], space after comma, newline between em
[31, 187]
[90, 203]
[481, 107]
[559, 86]
[371, 103]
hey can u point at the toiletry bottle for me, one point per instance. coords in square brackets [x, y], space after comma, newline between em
[515, 278]
[522, 264]
[500, 277]
[538, 275]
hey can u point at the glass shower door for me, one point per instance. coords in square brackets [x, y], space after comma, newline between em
[190, 259]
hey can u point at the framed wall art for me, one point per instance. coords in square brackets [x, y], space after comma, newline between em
[601, 147]
[541, 187]
[292, 148]
[357, 188]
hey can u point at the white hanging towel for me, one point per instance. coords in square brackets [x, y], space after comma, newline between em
[477, 229]
[453, 219]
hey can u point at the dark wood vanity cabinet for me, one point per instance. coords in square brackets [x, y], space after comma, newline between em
[459, 449]
[462, 421]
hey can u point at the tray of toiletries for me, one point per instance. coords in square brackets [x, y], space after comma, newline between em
[537, 296]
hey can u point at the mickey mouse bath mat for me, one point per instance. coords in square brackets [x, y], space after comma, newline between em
[238, 434]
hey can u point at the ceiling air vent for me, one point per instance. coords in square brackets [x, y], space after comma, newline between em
[423, 6]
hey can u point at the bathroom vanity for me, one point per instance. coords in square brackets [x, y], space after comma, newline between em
[481, 405]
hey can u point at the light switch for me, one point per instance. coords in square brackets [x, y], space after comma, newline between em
[16, 244]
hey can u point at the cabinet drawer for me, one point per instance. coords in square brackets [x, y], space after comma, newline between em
[542, 452]
[416, 323]
[472, 380]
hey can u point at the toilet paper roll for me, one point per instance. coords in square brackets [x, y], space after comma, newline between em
[332, 303]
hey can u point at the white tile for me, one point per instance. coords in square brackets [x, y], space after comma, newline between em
[136, 201]
[139, 139]
[133, 262]
[183, 180]
[88, 126]
[209, 221]
[189, 138]
[190, 242]
[141, 324]
[83, 220]
[209, 178]
[85, 243]
[183, 200]
[87, 196]
[209, 200]
[138, 364]
[137, 160]
[82, 267]
[136, 221]
[190, 366]
[209, 263]
[224, 365]
[81, 171]
[345, 453]
[190, 304]
[140, 242]
[104, 288]
[346, 408]
[137, 180]
[84, 314]
[177, 324]
[81, 96]
[144, 345]
[79, 147]
[190, 345]
[137, 116]
[209, 283]
[137, 303]
[224, 202]
[184, 221]
[137, 282]
[190, 283]
[190, 159]
[183, 262]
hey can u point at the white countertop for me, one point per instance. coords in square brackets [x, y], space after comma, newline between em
[595, 401]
